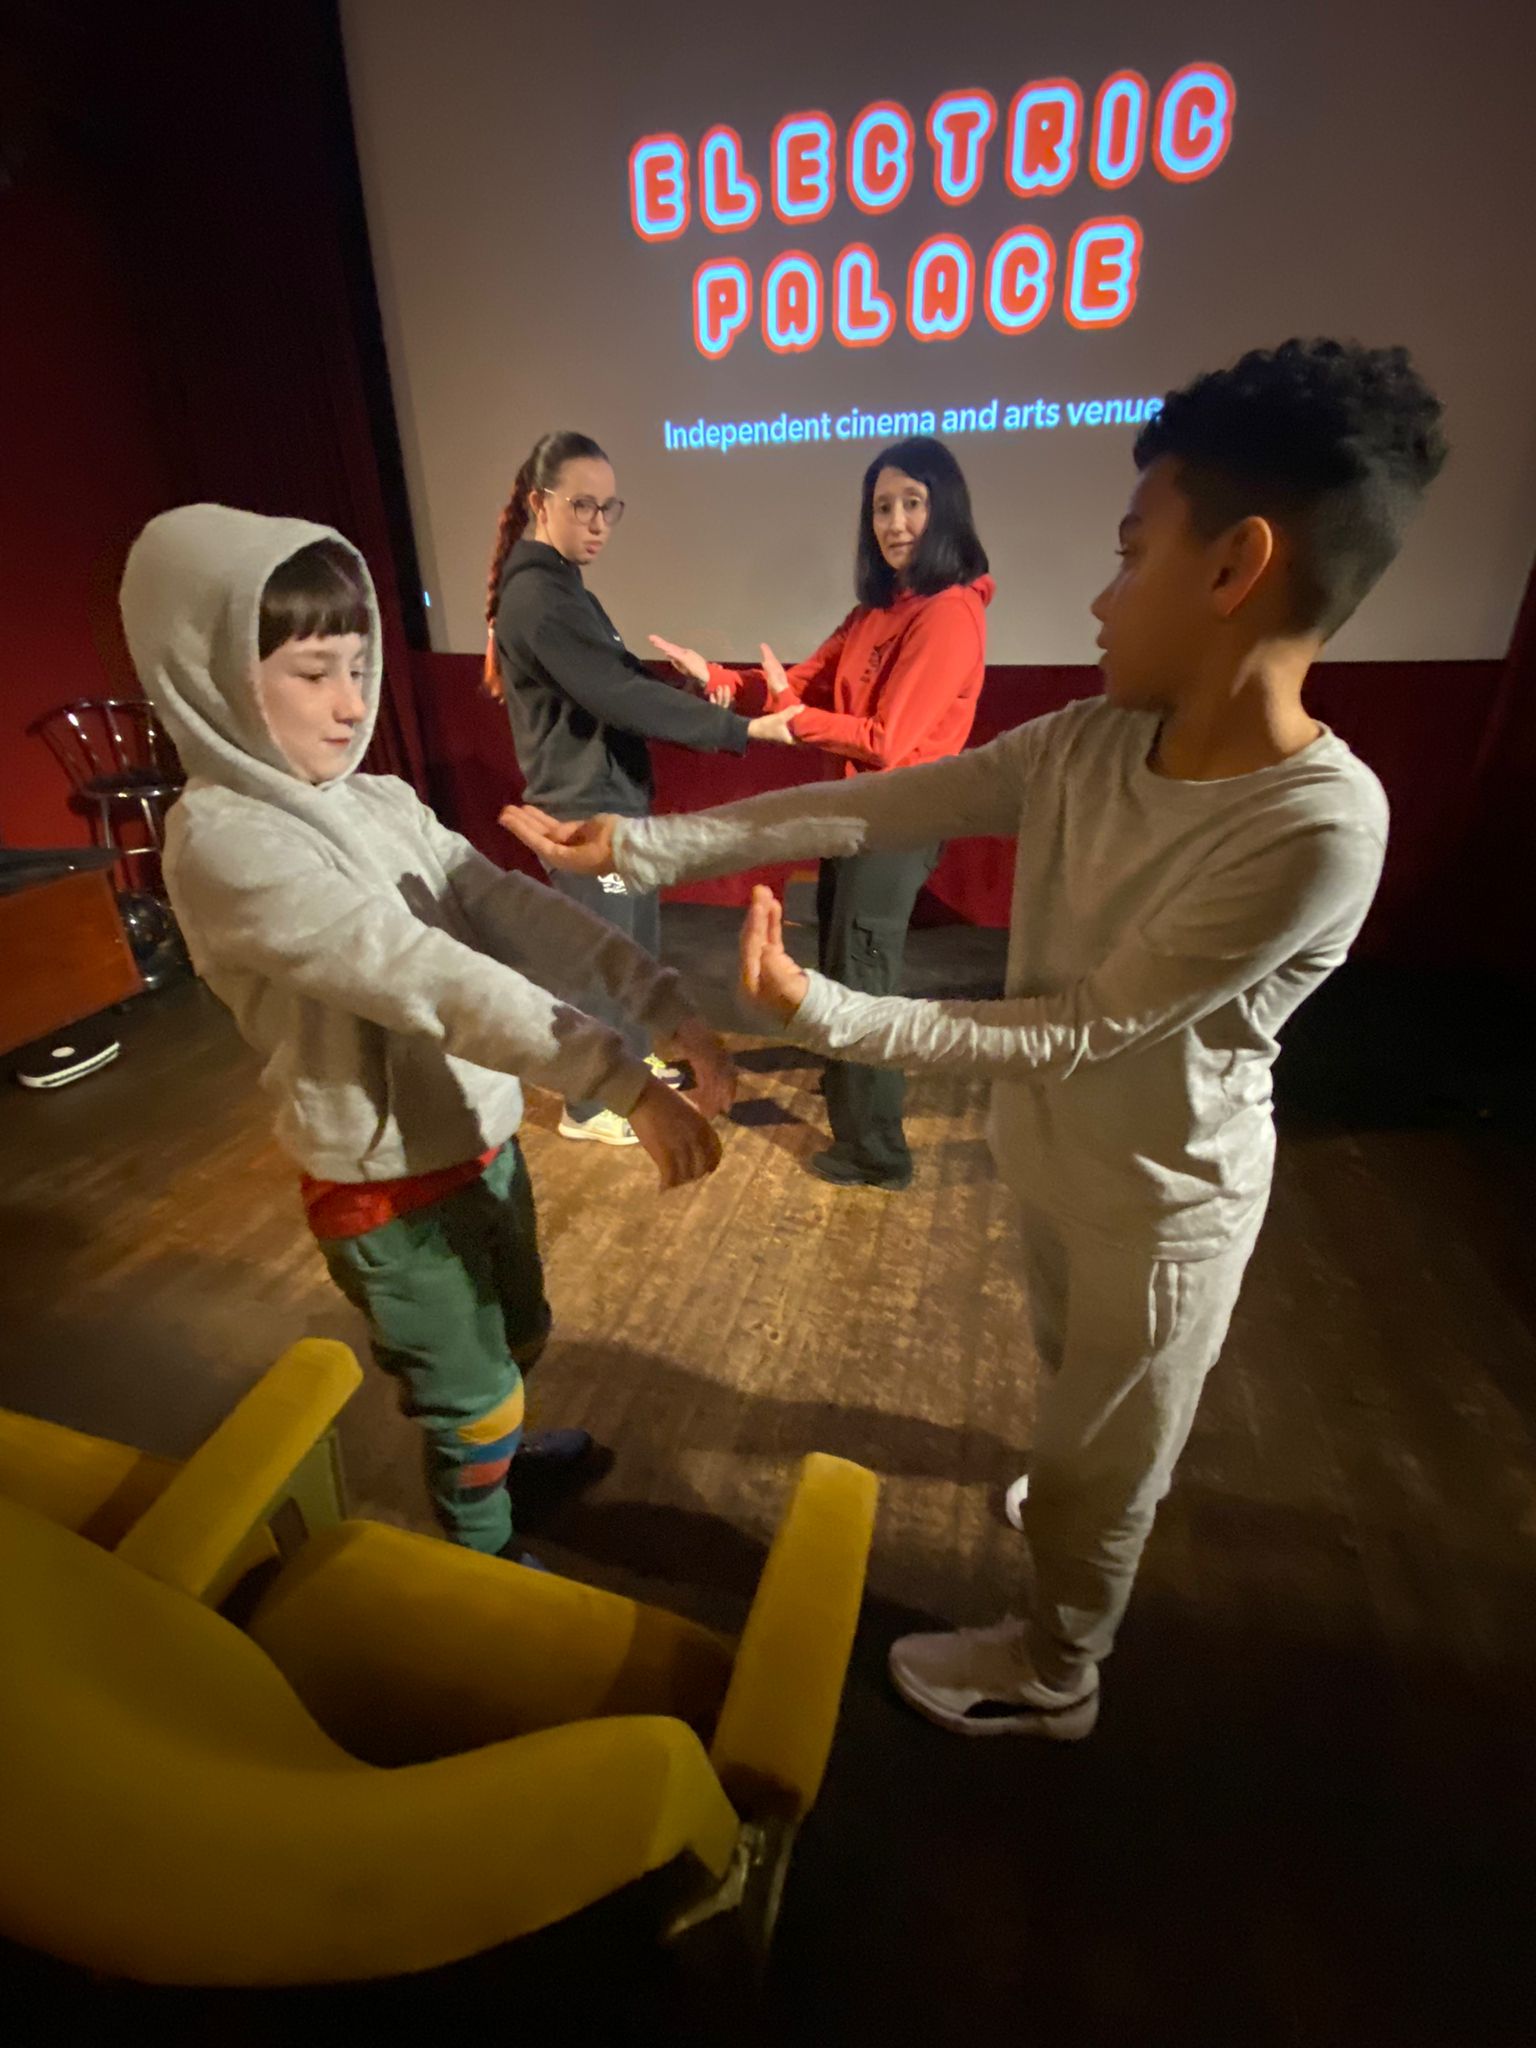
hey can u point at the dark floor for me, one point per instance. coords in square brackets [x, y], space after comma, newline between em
[1306, 1817]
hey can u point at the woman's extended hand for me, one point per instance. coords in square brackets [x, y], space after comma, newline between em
[784, 707]
[686, 660]
[774, 676]
[694, 670]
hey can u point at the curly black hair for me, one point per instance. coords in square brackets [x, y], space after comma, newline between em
[1334, 443]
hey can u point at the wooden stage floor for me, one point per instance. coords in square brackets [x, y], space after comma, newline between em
[1306, 1816]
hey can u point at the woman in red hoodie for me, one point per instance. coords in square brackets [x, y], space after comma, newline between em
[896, 684]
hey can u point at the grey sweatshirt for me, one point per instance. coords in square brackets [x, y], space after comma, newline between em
[395, 982]
[1161, 933]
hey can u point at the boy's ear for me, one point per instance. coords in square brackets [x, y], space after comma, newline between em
[1242, 555]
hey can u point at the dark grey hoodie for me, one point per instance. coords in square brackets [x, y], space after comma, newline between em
[582, 707]
[395, 982]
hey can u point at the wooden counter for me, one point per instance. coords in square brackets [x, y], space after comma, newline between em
[63, 956]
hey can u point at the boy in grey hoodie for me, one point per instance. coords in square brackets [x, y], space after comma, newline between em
[395, 983]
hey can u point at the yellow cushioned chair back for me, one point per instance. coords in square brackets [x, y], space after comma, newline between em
[130, 1715]
[169, 1811]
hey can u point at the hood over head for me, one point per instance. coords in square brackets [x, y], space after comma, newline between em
[191, 605]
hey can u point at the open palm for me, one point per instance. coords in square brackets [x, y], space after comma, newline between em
[769, 976]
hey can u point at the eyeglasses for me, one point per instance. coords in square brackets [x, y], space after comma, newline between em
[588, 509]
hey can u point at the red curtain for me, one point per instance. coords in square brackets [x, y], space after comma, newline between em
[226, 142]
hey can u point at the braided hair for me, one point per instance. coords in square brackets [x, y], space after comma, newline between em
[541, 472]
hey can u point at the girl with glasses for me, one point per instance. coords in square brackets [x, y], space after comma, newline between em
[582, 706]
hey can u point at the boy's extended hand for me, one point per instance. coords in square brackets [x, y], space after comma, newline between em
[581, 848]
[682, 1144]
[769, 976]
[714, 1071]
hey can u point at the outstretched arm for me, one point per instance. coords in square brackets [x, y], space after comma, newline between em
[1303, 899]
[298, 919]
[532, 928]
[605, 679]
[290, 914]
[977, 792]
[696, 671]
[755, 690]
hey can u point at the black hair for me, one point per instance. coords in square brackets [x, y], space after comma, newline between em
[316, 593]
[948, 551]
[541, 472]
[1333, 442]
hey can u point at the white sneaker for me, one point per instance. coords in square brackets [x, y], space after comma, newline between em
[606, 1128]
[668, 1075]
[1014, 1499]
[978, 1681]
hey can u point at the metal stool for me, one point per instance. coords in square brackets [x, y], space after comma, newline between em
[120, 763]
[118, 759]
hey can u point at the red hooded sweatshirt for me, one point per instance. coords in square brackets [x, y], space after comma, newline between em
[892, 687]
